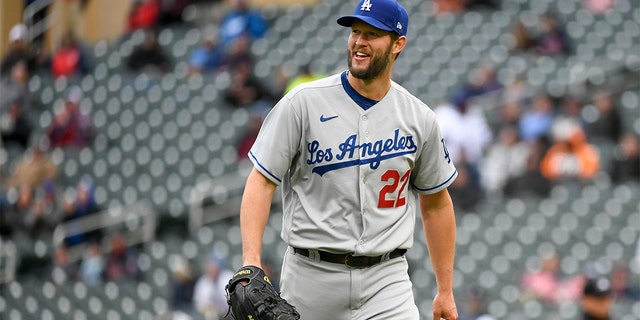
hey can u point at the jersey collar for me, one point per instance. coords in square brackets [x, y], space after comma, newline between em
[364, 102]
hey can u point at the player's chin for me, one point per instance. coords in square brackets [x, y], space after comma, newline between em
[358, 66]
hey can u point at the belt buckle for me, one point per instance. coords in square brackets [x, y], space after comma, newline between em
[352, 261]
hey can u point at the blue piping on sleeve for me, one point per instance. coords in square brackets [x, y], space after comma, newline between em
[255, 160]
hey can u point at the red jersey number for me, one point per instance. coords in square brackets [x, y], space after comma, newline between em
[391, 194]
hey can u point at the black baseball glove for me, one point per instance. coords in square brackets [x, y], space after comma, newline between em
[251, 296]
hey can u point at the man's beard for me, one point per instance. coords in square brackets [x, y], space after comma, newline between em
[377, 65]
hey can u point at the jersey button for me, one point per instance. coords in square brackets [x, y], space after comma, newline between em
[364, 118]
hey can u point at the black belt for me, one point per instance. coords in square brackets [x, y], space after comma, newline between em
[349, 259]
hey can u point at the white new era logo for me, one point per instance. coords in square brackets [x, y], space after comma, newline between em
[366, 5]
[399, 26]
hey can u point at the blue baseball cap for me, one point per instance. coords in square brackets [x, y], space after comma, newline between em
[386, 15]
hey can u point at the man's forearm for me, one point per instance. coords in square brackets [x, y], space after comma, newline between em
[254, 214]
[440, 231]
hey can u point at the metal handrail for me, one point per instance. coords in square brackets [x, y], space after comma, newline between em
[129, 215]
[42, 26]
[10, 258]
[225, 194]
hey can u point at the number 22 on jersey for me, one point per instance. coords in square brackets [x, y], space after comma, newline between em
[391, 194]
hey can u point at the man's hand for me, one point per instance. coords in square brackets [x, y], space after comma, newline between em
[444, 307]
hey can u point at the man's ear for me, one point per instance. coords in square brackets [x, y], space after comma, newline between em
[399, 44]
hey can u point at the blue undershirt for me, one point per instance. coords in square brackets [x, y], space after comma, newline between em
[364, 102]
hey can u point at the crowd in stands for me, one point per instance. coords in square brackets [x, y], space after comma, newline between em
[33, 202]
[524, 146]
[531, 140]
[148, 57]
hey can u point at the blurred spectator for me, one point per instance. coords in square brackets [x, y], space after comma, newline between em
[524, 41]
[209, 297]
[546, 284]
[69, 59]
[77, 204]
[475, 306]
[623, 284]
[241, 20]
[508, 116]
[607, 123]
[596, 300]
[304, 75]
[552, 39]
[18, 51]
[452, 6]
[532, 182]
[20, 209]
[47, 212]
[505, 160]
[122, 260]
[34, 168]
[481, 80]
[466, 133]
[517, 90]
[92, 265]
[246, 91]
[15, 101]
[466, 191]
[143, 14]
[148, 57]
[13, 87]
[238, 53]
[626, 160]
[36, 220]
[570, 157]
[63, 270]
[15, 126]
[70, 126]
[182, 286]
[536, 122]
[572, 109]
[208, 57]
[598, 6]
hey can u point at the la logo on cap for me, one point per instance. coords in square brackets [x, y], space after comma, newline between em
[366, 6]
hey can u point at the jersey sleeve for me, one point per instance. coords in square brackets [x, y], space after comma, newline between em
[434, 169]
[278, 142]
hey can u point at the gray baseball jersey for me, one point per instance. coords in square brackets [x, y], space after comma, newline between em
[350, 174]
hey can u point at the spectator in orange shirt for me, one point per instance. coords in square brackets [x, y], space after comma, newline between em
[571, 156]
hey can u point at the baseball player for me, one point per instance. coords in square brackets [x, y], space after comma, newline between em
[357, 156]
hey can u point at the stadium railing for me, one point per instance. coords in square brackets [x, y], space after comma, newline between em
[137, 223]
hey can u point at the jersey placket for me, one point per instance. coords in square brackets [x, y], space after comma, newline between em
[363, 136]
